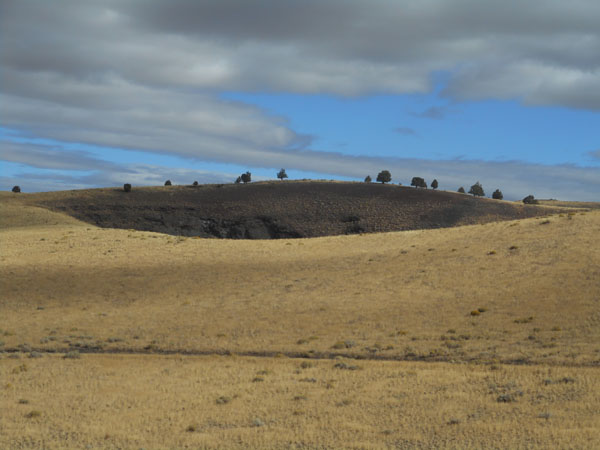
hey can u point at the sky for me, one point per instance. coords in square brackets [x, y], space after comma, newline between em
[102, 93]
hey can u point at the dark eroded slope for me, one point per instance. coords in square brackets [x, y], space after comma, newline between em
[271, 210]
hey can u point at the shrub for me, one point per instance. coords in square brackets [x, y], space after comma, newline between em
[168, 183]
[506, 398]
[418, 182]
[368, 179]
[257, 422]
[477, 190]
[497, 195]
[127, 187]
[530, 200]
[16, 189]
[281, 174]
[524, 320]
[384, 177]
[73, 354]
[238, 180]
[344, 366]
[343, 344]
[33, 414]
[434, 184]
[223, 400]
[246, 177]
[461, 190]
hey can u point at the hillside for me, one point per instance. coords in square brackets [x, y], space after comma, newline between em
[275, 210]
[479, 336]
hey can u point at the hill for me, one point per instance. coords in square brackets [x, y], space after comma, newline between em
[477, 336]
[275, 210]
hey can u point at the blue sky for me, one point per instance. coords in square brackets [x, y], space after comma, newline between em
[103, 93]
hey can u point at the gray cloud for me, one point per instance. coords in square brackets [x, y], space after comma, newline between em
[434, 112]
[406, 131]
[50, 157]
[595, 154]
[345, 47]
[146, 75]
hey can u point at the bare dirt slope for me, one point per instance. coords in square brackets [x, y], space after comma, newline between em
[290, 209]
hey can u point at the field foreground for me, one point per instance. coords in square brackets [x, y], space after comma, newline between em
[474, 336]
[153, 401]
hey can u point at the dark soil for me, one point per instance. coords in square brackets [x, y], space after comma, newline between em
[275, 210]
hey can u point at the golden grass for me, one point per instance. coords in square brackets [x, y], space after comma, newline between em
[152, 401]
[410, 295]
[393, 295]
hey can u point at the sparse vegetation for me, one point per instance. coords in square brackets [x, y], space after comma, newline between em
[524, 320]
[223, 400]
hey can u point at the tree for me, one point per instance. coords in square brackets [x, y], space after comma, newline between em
[168, 183]
[246, 177]
[461, 190]
[368, 179]
[127, 187]
[434, 184]
[477, 190]
[16, 189]
[281, 174]
[238, 180]
[530, 200]
[384, 176]
[195, 183]
[418, 182]
[497, 194]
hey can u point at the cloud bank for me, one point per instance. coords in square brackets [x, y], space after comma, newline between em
[514, 179]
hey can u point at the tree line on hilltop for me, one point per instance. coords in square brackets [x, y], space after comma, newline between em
[383, 177]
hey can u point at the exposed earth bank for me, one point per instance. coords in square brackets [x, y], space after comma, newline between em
[275, 210]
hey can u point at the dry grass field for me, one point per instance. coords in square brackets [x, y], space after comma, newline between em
[479, 336]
